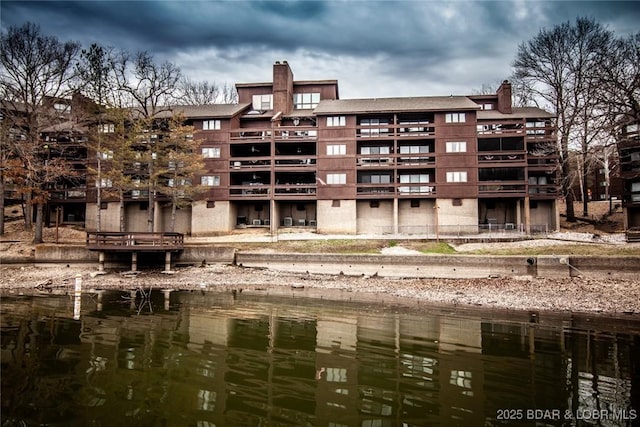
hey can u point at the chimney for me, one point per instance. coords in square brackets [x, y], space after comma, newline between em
[504, 97]
[282, 87]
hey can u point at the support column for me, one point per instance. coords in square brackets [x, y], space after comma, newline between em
[134, 261]
[527, 215]
[395, 216]
[101, 261]
[167, 261]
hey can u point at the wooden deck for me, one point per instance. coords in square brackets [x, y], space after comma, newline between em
[134, 242]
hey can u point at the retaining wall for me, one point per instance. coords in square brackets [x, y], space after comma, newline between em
[446, 266]
[440, 266]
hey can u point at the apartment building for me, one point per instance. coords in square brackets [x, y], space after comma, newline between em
[291, 153]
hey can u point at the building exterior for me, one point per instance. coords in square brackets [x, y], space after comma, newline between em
[629, 155]
[293, 154]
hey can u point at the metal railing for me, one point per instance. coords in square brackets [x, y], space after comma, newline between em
[134, 241]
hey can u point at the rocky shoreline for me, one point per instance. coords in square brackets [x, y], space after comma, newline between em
[576, 294]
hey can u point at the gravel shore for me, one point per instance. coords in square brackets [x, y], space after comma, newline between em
[610, 296]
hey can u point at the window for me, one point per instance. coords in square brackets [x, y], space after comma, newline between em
[210, 180]
[336, 178]
[418, 177]
[62, 108]
[306, 101]
[487, 106]
[373, 122]
[376, 179]
[454, 117]
[263, 102]
[211, 125]
[107, 128]
[335, 203]
[104, 183]
[374, 150]
[336, 149]
[211, 152]
[456, 147]
[458, 176]
[632, 128]
[414, 149]
[336, 121]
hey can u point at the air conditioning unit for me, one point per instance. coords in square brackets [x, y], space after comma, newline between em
[288, 221]
[313, 223]
[257, 222]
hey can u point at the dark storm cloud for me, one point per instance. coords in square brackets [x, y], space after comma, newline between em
[373, 47]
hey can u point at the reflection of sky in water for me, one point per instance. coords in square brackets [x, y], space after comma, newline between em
[196, 358]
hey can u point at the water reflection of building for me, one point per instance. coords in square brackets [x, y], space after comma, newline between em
[219, 360]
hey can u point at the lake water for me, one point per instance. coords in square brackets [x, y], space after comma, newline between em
[244, 359]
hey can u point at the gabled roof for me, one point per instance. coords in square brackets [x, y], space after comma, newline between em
[518, 113]
[206, 111]
[390, 105]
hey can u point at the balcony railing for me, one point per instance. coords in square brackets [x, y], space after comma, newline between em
[250, 190]
[68, 194]
[375, 160]
[302, 189]
[502, 188]
[135, 241]
[250, 162]
[501, 157]
[288, 133]
[294, 161]
[543, 190]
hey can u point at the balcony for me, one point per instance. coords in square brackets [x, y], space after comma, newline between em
[284, 162]
[416, 190]
[402, 130]
[374, 161]
[249, 191]
[77, 193]
[250, 163]
[378, 190]
[295, 191]
[502, 189]
[502, 128]
[513, 158]
[544, 191]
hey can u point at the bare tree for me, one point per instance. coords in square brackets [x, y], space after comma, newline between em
[618, 74]
[150, 87]
[180, 164]
[203, 92]
[555, 66]
[35, 74]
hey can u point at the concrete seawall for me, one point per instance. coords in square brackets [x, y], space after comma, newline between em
[447, 266]
[428, 266]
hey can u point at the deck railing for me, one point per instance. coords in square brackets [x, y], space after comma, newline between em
[134, 241]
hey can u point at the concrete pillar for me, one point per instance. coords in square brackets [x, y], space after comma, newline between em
[167, 261]
[518, 214]
[101, 261]
[395, 216]
[134, 261]
[527, 215]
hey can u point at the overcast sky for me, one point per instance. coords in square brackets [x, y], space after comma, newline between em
[373, 48]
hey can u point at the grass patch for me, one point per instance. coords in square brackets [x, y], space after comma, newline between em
[433, 248]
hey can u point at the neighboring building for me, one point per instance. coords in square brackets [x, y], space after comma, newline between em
[629, 154]
[292, 154]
